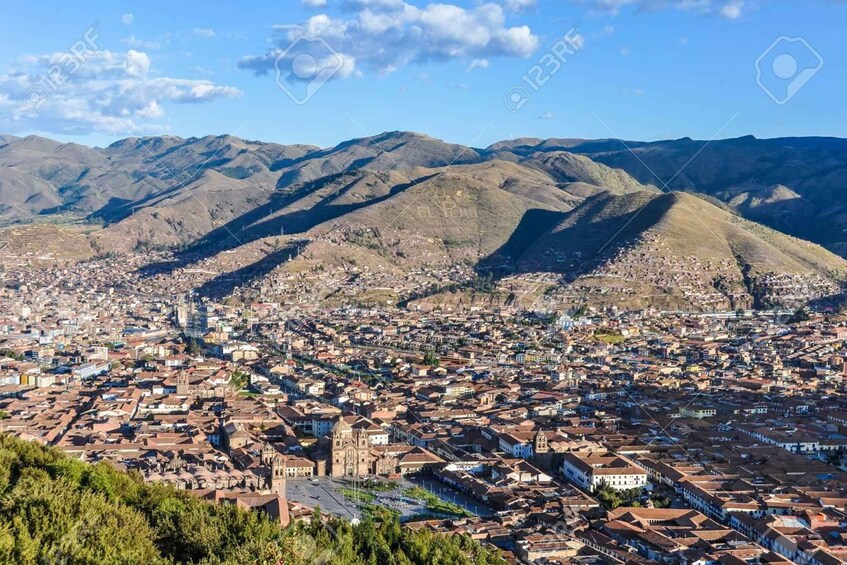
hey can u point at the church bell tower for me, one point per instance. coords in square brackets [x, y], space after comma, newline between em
[540, 443]
[278, 476]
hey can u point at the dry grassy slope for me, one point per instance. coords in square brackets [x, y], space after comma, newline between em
[691, 227]
[203, 205]
[21, 192]
[297, 209]
[32, 169]
[691, 219]
[351, 188]
[252, 209]
[40, 175]
[583, 173]
[172, 191]
[459, 214]
[392, 202]
[43, 243]
[813, 168]
[402, 220]
[679, 251]
[177, 158]
[387, 151]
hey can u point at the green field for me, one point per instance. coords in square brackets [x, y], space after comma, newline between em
[435, 504]
[357, 495]
[610, 338]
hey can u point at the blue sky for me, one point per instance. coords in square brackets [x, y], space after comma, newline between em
[639, 69]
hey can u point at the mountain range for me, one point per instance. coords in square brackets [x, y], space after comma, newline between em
[677, 224]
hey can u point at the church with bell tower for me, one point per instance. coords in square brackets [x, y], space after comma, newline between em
[539, 443]
[351, 456]
[276, 464]
[183, 387]
[278, 476]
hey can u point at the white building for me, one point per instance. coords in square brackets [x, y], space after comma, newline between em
[520, 447]
[590, 470]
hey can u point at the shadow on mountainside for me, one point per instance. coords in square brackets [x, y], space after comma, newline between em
[224, 284]
[531, 227]
[264, 221]
[576, 242]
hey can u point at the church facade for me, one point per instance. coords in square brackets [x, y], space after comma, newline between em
[276, 465]
[350, 448]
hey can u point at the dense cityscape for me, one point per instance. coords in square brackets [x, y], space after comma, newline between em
[588, 436]
[423, 282]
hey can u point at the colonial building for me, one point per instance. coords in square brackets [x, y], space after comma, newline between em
[350, 450]
[276, 465]
[589, 471]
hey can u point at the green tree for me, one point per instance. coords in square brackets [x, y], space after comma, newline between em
[799, 315]
[611, 498]
[194, 347]
[431, 358]
[238, 379]
[60, 510]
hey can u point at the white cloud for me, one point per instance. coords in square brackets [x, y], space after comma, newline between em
[137, 64]
[203, 32]
[386, 35]
[313, 3]
[732, 9]
[478, 64]
[625, 51]
[151, 111]
[608, 30]
[111, 92]
[518, 5]
[729, 9]
[547, 116]
[127, 19]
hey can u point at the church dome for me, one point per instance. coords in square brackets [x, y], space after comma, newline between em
[341, 426]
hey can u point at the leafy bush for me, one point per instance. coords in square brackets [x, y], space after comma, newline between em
[611, 498]
[58, 510]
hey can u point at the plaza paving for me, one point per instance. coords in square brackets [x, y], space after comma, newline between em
[326, 493]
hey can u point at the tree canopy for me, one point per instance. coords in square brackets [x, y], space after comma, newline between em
[61, 510]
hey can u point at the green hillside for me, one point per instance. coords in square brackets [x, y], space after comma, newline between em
[58, 510]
